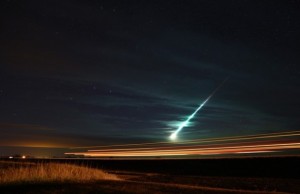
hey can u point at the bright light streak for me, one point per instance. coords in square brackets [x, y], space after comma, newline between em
[254, 152]
[173, 136]
[236, 149]
[251, 144]
[207, 140]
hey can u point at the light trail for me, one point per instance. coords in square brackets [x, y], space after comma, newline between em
[173, 136]
[195, 151]
[254, 152]
[263, 143]
[205, 140]
[182, 147]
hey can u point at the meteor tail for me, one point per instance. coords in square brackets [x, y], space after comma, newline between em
[173, 136]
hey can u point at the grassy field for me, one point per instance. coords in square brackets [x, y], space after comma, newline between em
[49, 177]
[14, 172]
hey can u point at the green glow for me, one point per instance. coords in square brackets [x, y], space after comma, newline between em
[173, 136]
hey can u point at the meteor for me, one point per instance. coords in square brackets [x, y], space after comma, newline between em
[173, 136]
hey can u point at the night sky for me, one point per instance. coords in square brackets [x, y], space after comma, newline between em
[91, 72]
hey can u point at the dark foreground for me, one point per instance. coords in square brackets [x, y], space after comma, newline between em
[272, 167]
[244, 175]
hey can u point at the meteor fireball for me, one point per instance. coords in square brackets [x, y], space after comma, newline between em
[173, 136]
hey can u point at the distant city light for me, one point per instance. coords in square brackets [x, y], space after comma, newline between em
[23, 157]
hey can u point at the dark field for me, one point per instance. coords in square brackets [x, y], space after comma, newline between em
[240, 175]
